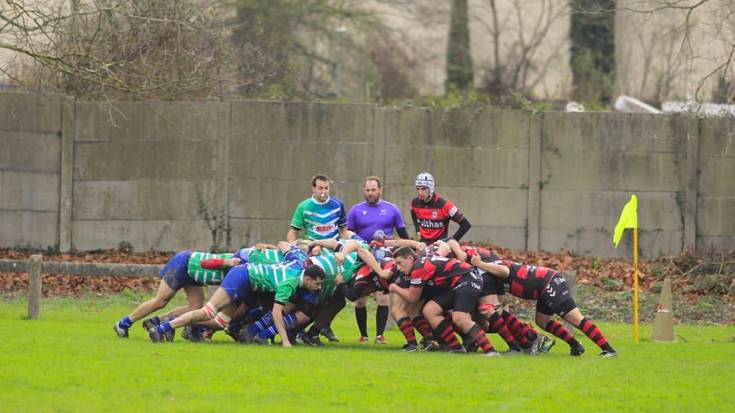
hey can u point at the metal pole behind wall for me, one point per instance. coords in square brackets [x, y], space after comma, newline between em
[34, 287]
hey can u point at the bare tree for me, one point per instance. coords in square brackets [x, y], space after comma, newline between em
[690, 46]
[520, 44]
[108, 49]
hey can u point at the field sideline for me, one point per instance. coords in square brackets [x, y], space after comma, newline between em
[70, 360]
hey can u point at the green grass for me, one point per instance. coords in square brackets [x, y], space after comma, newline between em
[70, 360]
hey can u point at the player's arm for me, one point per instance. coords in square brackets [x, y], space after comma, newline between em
[464, 226]
[456, 215]
[456, 250]
[219, 263]
[344, 233]
[443, 249]
[500, 271]
[397, 243]
[368, 258]
[331, 243]
[415, 220]
[280, 325]
[297, 222]
[398, 224]
[411, 294]
[264, 246]
[402, 233]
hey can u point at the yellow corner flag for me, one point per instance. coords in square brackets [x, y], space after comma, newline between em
[628, 219]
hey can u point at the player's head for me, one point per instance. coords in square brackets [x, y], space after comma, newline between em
[424, 186]
[372, 189]
[320, 187]
[405, 257]
[313, 277]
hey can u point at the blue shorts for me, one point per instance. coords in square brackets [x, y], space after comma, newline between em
[175, 272]
[237, 283]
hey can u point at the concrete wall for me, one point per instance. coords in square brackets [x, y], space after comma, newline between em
[86, 175]
[30, 147]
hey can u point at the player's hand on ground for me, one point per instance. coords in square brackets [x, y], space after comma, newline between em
[286, 343]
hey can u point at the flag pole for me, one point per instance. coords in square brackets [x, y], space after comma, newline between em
[635, 284]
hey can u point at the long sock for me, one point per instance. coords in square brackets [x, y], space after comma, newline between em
[164, 327]
[125, 323]
[519, 329]
[381, 318]
[446, 332]
[590, 329]
[290, 321]
[558, 330]
[423, 327]
[497, 325]
[361, 317]
[264, 322]
[406, 327]
[269, 332]
[479, 337]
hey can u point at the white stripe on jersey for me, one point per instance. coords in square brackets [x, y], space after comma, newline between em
[324, 215]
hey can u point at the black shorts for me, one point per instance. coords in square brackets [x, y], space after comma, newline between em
[463, 296]
[491, 285]
[556, 298]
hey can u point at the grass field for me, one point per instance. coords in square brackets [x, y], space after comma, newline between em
[70, 360]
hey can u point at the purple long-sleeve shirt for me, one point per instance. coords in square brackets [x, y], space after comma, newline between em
[364, 219]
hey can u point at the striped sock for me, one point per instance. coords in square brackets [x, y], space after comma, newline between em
[594, 333]
[406, 327]
[558, 330]
[522, 332]
[290, 321]
[268, 333]
[423, 327]
[265, 321]
[497, 325]
[479, 337]
[446, 332]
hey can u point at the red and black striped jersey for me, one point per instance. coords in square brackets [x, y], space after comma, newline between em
[526, 281]
[438, 271]
[432, 218]
[367, 275]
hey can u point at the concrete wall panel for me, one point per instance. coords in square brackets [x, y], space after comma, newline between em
[29, 151]
[29, 191]
[161, 235]
[144, 160]
[142, 199]
[30, 112]
[29, 228]
[133, 122]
